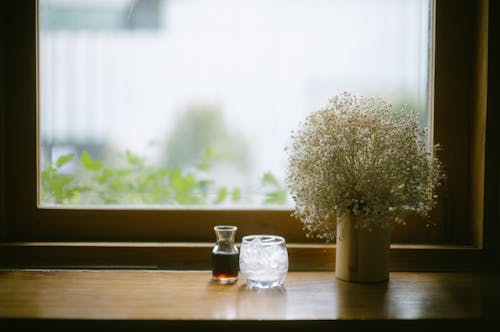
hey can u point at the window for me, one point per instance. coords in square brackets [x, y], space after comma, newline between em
[197, 108]
[453, 98]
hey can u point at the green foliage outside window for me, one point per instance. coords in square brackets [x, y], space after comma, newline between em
[134, 181]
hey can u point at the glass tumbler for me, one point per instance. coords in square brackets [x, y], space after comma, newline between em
[263, 260]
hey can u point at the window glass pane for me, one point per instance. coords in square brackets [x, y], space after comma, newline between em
[191, 102]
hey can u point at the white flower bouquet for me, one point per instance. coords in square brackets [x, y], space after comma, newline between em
[357, 156]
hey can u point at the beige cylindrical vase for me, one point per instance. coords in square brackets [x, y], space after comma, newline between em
[362, 255]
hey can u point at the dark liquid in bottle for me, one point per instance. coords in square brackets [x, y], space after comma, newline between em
[225, 267]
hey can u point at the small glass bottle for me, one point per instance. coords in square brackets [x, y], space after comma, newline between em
[225, 258]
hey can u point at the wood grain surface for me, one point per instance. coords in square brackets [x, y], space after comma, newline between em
[191, 295]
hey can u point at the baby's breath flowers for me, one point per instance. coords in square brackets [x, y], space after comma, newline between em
[357, 156]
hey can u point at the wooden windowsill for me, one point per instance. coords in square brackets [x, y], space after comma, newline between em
[177, 298]
[196, 256]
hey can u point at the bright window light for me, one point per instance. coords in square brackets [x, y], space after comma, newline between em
[190, 104]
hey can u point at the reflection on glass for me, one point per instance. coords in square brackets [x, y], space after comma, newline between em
[191, 103]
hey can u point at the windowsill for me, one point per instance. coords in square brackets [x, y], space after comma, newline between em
[190, 297]
[196, 256]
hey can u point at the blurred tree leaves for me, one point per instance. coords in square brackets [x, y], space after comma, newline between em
[134, 181]
[201, 131]
[275, 192]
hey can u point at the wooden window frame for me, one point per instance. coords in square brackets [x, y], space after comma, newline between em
[80, 236]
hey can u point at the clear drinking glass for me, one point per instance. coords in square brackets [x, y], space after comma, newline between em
[263, 260]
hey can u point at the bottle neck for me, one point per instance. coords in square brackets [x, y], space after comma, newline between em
[225, 238]
[225, 233]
